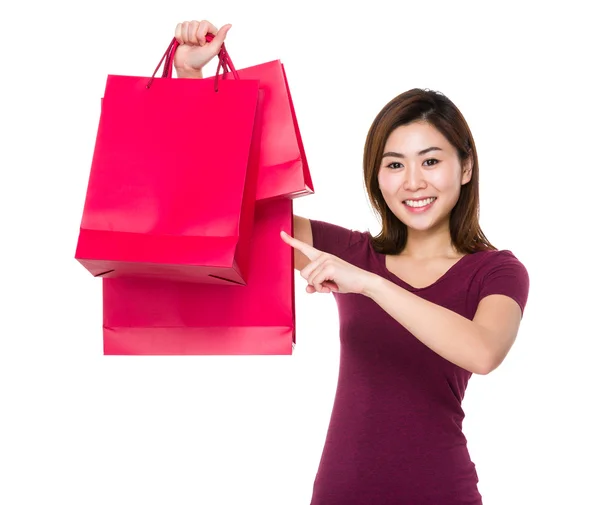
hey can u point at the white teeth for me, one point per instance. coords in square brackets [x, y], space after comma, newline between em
[419, 203]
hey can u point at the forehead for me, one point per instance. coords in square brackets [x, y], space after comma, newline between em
[415, 137]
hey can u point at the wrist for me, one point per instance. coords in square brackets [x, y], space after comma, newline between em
[373, 285]
[188, 73]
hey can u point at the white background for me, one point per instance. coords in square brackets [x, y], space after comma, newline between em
[80, 428]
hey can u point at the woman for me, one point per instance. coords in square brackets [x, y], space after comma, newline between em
[423, 305]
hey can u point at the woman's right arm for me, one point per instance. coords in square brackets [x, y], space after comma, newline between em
[191, 55]
[303, 232]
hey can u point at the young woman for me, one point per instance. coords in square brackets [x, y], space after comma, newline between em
[423, 305]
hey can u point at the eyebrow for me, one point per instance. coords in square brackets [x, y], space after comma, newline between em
[420, 153]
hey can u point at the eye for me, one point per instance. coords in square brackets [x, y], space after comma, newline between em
[431, 159]
[394, 165]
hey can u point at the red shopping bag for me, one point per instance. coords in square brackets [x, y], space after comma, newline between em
[283, 169]
[173, 179]
[159, 317]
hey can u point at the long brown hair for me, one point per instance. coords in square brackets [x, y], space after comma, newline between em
[436, 109]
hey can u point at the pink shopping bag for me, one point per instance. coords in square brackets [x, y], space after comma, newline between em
[283, 168]
[173, 180]
[160, 317]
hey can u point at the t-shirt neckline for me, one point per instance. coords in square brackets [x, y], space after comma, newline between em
[398, 280]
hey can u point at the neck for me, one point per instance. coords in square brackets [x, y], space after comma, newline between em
[429, 244]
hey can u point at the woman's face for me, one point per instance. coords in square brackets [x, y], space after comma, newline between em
[420, 176]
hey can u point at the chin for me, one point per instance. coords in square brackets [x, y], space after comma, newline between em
[419, 227]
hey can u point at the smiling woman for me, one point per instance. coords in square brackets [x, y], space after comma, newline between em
[447, 304]
[423, 305]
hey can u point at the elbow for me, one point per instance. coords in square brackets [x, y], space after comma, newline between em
[488, 356]
[486, 364]
[483, 370]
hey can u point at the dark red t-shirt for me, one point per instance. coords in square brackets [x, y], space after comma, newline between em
[395, 435]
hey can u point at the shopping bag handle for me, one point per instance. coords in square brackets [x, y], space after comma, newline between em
[225, 62]
[224, 58]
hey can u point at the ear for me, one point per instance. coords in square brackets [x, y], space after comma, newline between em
[467, 172]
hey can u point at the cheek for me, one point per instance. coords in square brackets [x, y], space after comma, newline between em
[388, 184]
[445, 181]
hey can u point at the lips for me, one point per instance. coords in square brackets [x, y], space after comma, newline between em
[421, 208]
[419, 200]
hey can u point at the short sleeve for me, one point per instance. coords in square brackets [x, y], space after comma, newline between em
[506, 275]
[334, 239]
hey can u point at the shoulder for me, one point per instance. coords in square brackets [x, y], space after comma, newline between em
[501, 272]
[491, 260]
[337, 240]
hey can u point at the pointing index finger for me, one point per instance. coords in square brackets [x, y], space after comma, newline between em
[310, 252]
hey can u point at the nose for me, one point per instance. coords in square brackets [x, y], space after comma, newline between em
[414, 179]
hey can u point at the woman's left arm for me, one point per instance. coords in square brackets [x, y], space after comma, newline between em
[479, 345]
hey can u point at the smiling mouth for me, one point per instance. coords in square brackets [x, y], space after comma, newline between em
[417, 204]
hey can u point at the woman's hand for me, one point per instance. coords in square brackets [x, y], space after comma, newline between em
[194, 51]
[327, 273]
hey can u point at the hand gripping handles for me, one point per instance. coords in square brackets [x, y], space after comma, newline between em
[168, 58]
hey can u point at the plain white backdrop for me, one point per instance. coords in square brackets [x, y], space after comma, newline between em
[80, 428]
